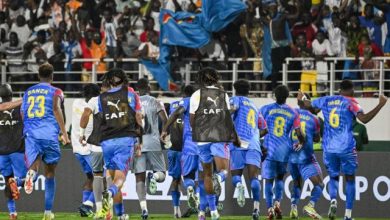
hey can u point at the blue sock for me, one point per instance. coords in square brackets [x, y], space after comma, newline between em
[279, 187]
[255, 186]
[11, 206]
[268, 194]
[175, 198]
[86, 195]
[197, 189]
[333, 187]
[296, 195]
[19, 182]
[91, 198]
[350, 194]
[222, 174]
[316, 193]
[202, 195]
[113, 189]
[50, 190]
[235, 180]
[189, 182]
[211, 199]
[118, 208]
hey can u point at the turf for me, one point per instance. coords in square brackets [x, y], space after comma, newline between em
[75, 216]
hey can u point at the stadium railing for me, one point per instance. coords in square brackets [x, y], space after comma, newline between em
[231, 70]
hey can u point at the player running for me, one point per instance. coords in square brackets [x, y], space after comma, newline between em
[189, 160]
[338, 141]
[43, 122]
[212, 128]
[303, 163]
[152, 157]
[82, 151]
[121, 124]
[248, 123]
[91, 137]
[12, 165]
[281, 121]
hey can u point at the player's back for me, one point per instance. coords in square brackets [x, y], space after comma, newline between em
[309, 127]
[245, 119]
[339, 112]
[151, 107]
[281, 120]
[77, 111]
[38, 113]
[190, 147]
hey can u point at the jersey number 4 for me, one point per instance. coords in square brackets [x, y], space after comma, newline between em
[40, 102]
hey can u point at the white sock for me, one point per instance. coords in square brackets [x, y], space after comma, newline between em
[348, 213]
[214, 212]
[256, 205]
[98, 206]
[143, 205]
[176, 210]
[47, 212]
[202, 213]
[88, 203]
[313, 204]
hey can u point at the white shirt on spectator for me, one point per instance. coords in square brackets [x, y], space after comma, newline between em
[13, 14]
[48, 47]
[338, 41]
[184, 4]
[23, 32]
[137, 25]
[213, 50]
[109, 29]
[156, 17]
[323, 49]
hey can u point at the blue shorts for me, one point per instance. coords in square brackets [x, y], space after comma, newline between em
[306, 170]
[240, 158]
[174, 166]
[48, 150]
[13, 164]
[118, 153]
[189, 163]
[345, 162]
[271, 169]
[208, 151]
[85, 162]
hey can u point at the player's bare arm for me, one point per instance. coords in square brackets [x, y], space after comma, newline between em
[302, 101]
[367, 117]
[83, 123]
[60, 119]
[301, 139]
[10, 105]
[179, 111]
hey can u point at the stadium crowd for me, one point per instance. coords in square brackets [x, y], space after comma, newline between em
[62, 30]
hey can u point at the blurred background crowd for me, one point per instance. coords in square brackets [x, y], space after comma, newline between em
[59, 31]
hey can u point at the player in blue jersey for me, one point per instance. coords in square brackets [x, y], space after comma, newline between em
[338, 141]
[281, 121]
[250, 126]
[43, 122]
[121, 124]
[303, 163]
[186, 163]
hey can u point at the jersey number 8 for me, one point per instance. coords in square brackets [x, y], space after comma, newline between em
[40, 101]
[279, 126]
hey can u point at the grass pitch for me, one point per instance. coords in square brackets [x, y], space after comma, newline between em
[75, 216]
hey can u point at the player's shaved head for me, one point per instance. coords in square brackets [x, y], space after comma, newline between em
[242, 87]
[6, 92]
[143, 85]
[346, 88]
[281, 94]
[188, 90]
[45, 72]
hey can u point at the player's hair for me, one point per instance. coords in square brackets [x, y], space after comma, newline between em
[242, 87]
[143, 84]
[281, 94]
[115, 77]
[208, 77]
[188, 90]
[346, 85]
[5, 91]
[90, 90]
[45, 71]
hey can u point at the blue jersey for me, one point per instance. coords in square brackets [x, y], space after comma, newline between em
[246, 122]
[281, 120]
[310, 127]
[189, 147]
[339, 113]
[173, 106]
[38, 114]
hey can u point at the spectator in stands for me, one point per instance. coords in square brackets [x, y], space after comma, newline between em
[20, 26]
[127, 47]
[109, 26]
[72, 50]
[154, 13]
[321, 49]
[360, 135]
[4, 28]
[337, 37]
[149, 27]
[98, 51]
[14, 10]
[85, 45]
[150, 50]
[373, 24]
[33, 12]
[306, 26]
[14, 50]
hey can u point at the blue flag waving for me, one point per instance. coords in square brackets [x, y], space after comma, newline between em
[217, 14]
[182, 29]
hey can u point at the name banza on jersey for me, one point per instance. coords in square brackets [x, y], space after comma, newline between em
[37, 108]
[339, 112]
[310, 127]
[247, 121]
[281, 120]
